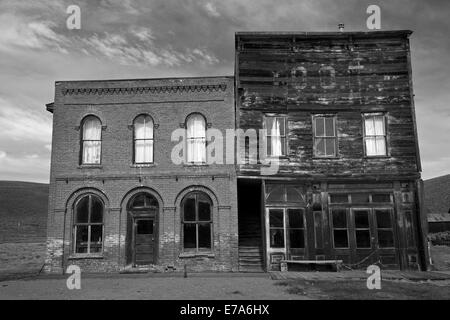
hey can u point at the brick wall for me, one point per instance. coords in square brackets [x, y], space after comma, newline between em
[116, 180]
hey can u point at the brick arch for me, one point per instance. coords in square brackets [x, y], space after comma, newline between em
[131, 193]
[134, 115]
[77, 194]
[185, 191]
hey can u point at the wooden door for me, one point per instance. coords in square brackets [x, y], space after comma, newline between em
[144, 241]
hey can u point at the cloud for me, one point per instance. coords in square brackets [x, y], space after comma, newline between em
[24, 168]
[211, 9]
[18, 33]
[20, 123]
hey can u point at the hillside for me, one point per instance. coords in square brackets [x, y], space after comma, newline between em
[437, 194]
[23, 211]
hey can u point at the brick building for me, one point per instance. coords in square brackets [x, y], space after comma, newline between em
[337, 115]
[116, 199]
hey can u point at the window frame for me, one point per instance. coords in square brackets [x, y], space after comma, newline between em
[187, 139]
[82, 140]
[383, 115]
[391, 229]
[196, 222]
[334, 137]
[340, 228]
[136, 139]
[88, 224]
[267, 135]
[369, 227]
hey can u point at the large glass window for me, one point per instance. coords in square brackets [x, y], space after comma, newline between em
[340, 228]
[91, 140]
[362, 228]
[88, 225]
[196, 138]
[375, 135]
[296, 228]
[143, 139]
[197, 222]
[325, 136]
[275, 136]
[385, 229]
[276, 225]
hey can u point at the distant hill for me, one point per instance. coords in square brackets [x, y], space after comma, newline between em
[23, 211]
[437, 194]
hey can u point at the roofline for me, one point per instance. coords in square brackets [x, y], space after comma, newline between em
[147, 79]
[308, 34]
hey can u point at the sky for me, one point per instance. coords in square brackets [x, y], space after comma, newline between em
[167, 38]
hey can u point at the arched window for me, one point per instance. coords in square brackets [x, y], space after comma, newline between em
[196, 138]
[196, 211]
[143, 139]
[144, 201]
[88, 225]
[91, 140]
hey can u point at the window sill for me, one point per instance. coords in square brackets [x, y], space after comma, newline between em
[90, 166]
[77, 256]
[194, 165]
[377, 157]
[196, 255]
[143, 165]
[326, 158]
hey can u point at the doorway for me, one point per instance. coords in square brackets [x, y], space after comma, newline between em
[142, 230]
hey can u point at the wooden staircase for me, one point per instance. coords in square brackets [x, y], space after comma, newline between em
[251, 259]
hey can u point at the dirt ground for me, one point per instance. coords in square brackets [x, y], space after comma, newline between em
[357, 290]
[226, 287]
[20, 262]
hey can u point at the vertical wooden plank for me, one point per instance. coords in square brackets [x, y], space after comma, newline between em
[399, 225]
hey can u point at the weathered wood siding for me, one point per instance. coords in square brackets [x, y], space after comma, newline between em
[292, 75]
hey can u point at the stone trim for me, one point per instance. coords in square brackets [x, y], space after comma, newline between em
[145, 90]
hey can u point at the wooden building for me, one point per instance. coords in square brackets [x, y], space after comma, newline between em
[339, 116]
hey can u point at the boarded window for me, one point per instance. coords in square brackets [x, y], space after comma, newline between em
[375, 135]
[324, 136]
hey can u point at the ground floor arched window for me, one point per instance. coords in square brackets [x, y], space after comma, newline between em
[88, 225]
[196, 218]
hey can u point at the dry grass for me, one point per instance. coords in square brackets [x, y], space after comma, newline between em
[18, 258]
[441, 257]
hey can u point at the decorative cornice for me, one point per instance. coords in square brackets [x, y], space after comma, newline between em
[141, 90]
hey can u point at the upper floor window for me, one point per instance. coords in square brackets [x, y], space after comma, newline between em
[196, 138]
[275, 136]
[91, 140]
[375, 134]
[88, 225]
[143, 139]
[324, 136]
